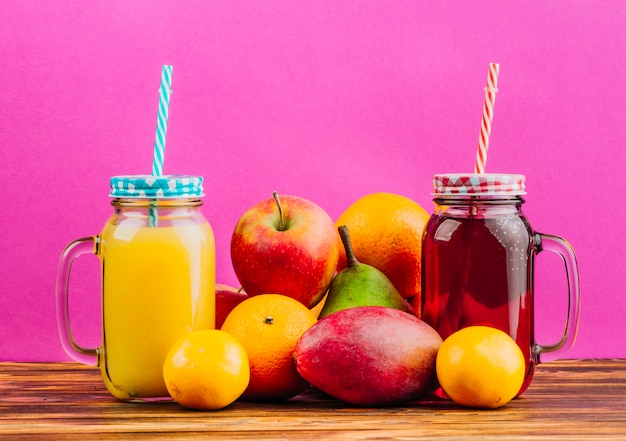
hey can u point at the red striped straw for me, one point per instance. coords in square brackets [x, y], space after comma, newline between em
[485, 125]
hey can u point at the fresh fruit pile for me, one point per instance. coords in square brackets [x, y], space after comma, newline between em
[335, 305]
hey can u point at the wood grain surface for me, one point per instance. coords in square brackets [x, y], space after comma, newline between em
[568, 400]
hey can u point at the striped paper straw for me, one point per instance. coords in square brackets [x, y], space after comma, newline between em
[161, 127]
[161, 131]
[485, 125]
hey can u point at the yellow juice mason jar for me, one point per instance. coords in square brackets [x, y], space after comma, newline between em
[157, 255]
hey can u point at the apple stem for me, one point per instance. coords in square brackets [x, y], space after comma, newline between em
[281, 221]
[351, 259]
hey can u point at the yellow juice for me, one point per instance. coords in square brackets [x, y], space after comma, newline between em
[158, 284]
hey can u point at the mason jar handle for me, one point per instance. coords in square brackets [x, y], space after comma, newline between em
[85, 245]
[566, 251]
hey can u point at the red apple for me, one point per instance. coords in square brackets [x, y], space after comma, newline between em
[226, 298]
[288, 246]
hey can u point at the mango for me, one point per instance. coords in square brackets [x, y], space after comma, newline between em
[370, 356]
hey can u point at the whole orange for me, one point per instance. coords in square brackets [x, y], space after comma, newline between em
[206, 370]
[269, 326]
[386, 232]
[480, 366]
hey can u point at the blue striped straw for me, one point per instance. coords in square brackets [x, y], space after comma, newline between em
[161, 127]
[161, 130]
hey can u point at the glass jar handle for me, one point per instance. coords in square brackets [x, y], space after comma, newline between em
[85, 245]
[566, 251]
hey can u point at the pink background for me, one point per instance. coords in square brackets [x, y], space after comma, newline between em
[328, 100]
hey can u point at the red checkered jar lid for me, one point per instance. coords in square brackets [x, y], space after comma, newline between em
[475, 184]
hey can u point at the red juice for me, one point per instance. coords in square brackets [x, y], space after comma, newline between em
[477, 270]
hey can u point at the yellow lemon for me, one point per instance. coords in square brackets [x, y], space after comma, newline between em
[206, 370]
[480, 366]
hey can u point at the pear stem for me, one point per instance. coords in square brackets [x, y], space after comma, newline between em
[351, 259]
[281, 219]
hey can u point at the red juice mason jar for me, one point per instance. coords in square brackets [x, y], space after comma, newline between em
[478, 256]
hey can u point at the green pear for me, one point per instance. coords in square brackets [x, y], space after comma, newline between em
[359, 284]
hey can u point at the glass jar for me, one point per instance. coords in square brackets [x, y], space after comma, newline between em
[478, 258]
[157, 255]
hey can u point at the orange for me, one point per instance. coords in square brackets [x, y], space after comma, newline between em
[269, 326]
[386, 232]
[480, 366]
[206, 370]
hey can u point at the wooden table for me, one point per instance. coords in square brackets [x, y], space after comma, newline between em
[568, 400]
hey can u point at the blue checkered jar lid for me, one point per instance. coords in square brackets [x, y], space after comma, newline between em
[156, 187]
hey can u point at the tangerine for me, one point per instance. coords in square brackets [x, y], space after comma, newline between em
[386, 232]
[206, 370]
[480, 366]
[269, 326]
